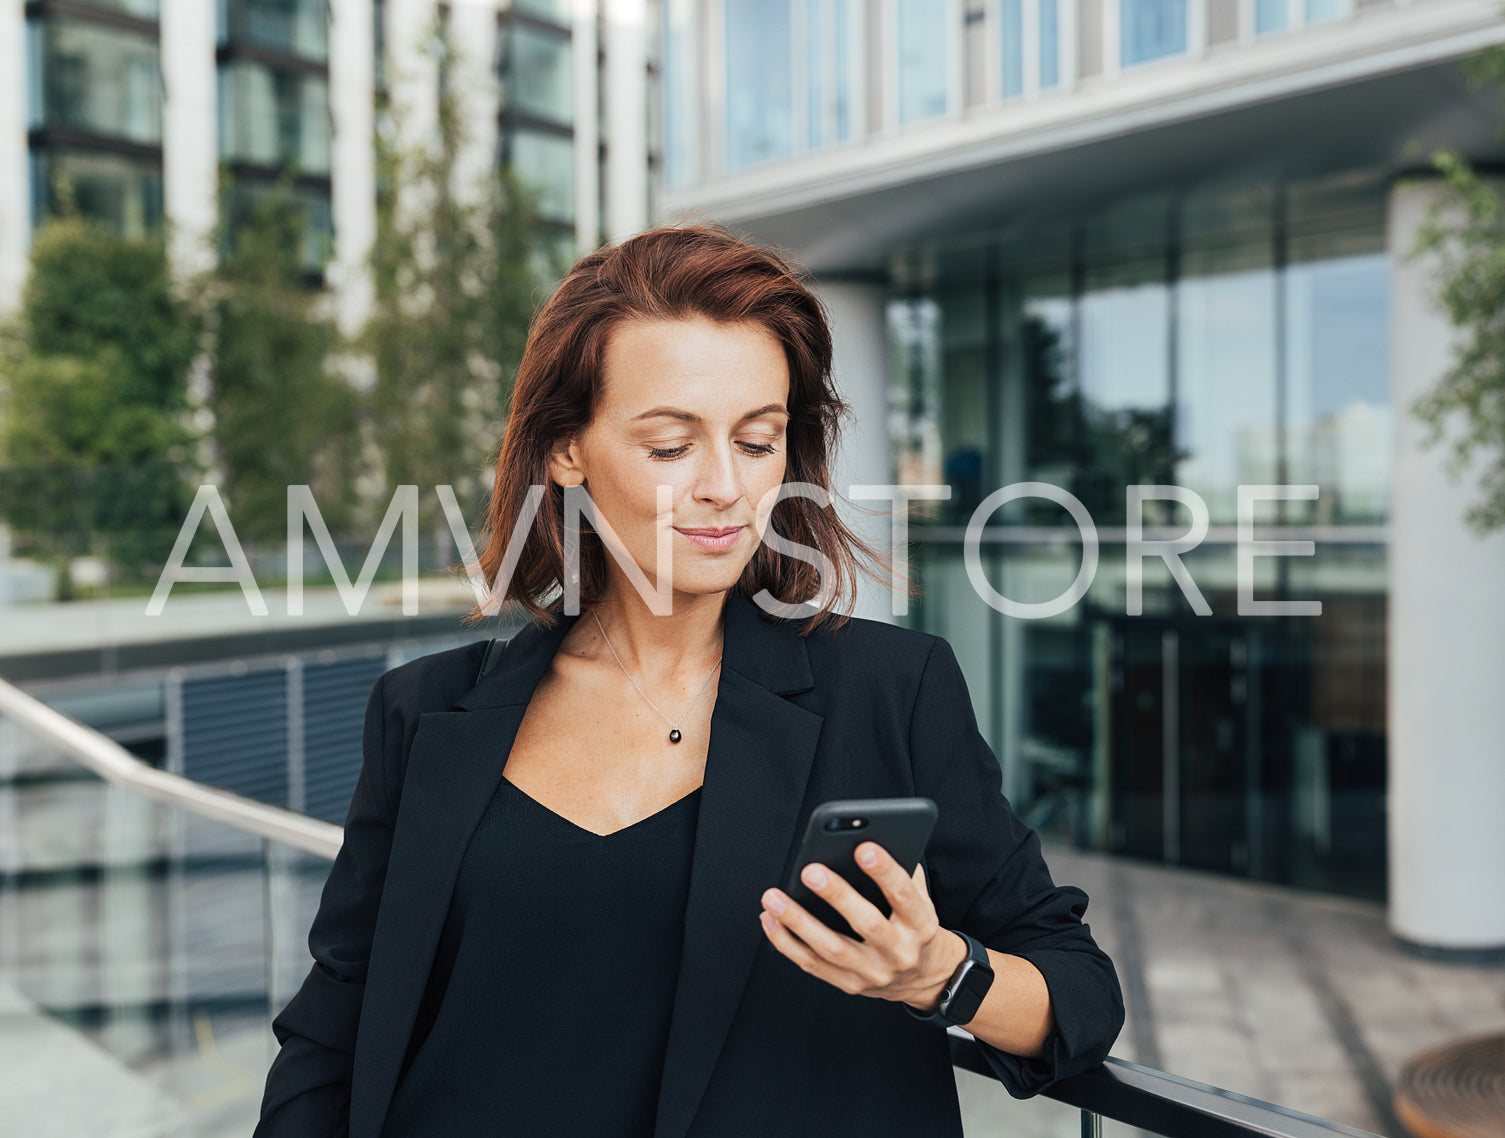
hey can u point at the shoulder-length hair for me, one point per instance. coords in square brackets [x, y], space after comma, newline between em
[669, 273]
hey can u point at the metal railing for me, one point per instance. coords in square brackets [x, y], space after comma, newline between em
[1118, 1091]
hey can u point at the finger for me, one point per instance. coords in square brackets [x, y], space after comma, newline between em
[835, 890]
[798, 951]
[909, 899]
[830, 945]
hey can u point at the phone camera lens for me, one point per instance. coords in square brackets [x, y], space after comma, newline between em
[834, 824]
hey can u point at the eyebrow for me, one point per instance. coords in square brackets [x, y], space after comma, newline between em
[689, 417]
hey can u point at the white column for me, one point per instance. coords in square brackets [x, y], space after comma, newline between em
[860, 370]
[472, 26]
[586, 74]
[412, 83]
[352, 93]
[15, 188]
[190, 135]
[1446, 645]
[626, 43]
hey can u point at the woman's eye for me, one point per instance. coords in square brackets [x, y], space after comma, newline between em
[675, 452]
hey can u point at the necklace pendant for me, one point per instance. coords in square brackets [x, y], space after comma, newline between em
[674, 735]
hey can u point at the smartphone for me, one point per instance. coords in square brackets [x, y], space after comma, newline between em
[901, 826]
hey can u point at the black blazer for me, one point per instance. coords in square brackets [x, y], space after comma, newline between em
[756, 1045]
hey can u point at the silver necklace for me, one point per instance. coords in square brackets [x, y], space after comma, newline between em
[674, 735]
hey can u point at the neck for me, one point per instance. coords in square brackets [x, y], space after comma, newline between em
[651, 645]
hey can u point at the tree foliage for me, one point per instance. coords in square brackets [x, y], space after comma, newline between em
[456, 270]
[94, 441]
[1467, 236]
[281, 416]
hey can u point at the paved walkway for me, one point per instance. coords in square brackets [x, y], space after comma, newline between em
[1297, 998]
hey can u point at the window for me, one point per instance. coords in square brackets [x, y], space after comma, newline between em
[924, 50]
[100, 81]
[1151, 29]
[759, 82]
[274, 118]
[293, 27]
[537, 77]
[546, 162]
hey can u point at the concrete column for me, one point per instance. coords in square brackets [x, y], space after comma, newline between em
[860, 368]
[1447, 646]
[626, 44]
[190, 135]
[583, 44]
[15, 188]
[412, 83]
[472, 25]
[352, 94]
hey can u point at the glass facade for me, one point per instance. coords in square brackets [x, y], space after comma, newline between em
[124, 192]
[828, 72]
[1206, 340]
[1151, 29]
[759, 82]
[546, 161]
[96, 80]
[285, 27]
[536, 72]
[274, 118]
[925, 58]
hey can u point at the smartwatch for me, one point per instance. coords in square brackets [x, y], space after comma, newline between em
[964, 992]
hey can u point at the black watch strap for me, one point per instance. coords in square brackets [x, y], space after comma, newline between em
[964, 992]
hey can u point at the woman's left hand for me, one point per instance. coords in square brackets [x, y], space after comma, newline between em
[905, 956]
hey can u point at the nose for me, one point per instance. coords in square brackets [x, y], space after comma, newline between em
[717, 480]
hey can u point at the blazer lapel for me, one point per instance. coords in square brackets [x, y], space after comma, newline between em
[454, 765]
[757, 765]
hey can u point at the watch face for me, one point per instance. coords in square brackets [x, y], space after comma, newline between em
[971, 988]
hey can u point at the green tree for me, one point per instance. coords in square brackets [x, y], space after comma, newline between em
[281, 416]
[455, 273]
[1467, 236]
[94, 448]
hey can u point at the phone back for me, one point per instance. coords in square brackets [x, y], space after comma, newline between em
[902, 826]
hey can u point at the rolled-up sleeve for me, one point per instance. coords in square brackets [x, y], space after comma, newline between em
[307, 1092]
[988, 877]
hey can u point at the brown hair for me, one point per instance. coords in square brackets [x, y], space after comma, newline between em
[669, 273]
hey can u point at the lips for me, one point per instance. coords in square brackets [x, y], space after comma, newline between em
[708, 532]
[713, 540]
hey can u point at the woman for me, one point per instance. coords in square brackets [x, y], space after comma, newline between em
[557, 909]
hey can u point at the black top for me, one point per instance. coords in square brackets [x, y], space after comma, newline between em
[541, 1023]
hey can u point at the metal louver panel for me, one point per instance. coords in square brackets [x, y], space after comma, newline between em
[234, 732]
[334, 713]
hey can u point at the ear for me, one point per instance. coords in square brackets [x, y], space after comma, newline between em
[564, 464]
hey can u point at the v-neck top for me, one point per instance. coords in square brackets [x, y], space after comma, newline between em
[547, 1009]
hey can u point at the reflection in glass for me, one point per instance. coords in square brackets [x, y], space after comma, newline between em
[1226, 374]
[125, 193]
[1319, 11]
[294, 27]
[274, 118]
[1270, 15]
[1011, 21]
[676, 89]
[102, 81]
[1050, 44]
[828, 81]
[1151, 29]
[1337, 359]
[1124, 376]
[924, 48]
[141, 9]
[547, 163]
[536, 72]
[316, 241]
[556, 10]
[759, 82]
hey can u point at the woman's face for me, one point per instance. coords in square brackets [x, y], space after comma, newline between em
[699, 407]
